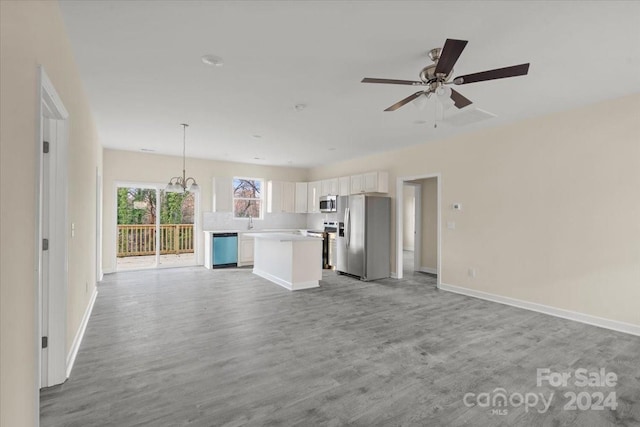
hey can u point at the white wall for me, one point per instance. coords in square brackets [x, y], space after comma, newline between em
[550, 207]
[130, 166]
[32, 33]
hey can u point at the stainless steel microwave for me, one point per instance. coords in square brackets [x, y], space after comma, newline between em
[328, 204]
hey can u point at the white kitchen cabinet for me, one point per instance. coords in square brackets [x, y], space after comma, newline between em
[245, 250]
[301, 197]
[370, 182]
[329, 187]
[280, 196]
[357, 184]
[344, 186]
[313, 196]
[222, 194]
[289, 197]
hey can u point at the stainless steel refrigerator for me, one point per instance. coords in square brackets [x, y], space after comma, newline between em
[364, 235]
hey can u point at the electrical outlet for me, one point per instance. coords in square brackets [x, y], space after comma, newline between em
[472, 273]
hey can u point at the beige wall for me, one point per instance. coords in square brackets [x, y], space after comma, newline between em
[32, 33]
[138, 167]
[551, 207]
[409, 216]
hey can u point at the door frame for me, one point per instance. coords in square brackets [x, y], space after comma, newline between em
[400, 181]
[52, 116]
[99, 273]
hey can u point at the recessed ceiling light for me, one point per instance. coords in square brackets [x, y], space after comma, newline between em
[332, 149]
[257, 136]
[258, 158]
[147, 150]
[299, 107]
[213, 60]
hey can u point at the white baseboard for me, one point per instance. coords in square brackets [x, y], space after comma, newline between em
[393, 275]
[287, 285]
[428, 270]
[75, 346]
[108, 271]
[615, 325]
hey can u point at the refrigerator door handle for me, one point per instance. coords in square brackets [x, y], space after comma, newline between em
[347, 225]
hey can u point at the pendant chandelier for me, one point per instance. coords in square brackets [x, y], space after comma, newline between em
[180, 184]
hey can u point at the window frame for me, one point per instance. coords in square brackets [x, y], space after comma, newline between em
[261, 199]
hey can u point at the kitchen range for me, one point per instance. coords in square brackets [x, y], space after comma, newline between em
[328, 235]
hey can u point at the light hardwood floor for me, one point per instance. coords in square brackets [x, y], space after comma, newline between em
[195, 347]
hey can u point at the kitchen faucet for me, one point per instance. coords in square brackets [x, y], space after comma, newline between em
[250, 225]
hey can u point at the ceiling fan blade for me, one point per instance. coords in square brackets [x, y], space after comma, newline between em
[407, 100]
[498, 73]
[459, 100]
[391, 81]
[449, 55]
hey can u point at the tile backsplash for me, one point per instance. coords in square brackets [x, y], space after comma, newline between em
[225, 221]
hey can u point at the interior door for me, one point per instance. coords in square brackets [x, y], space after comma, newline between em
[355, 248]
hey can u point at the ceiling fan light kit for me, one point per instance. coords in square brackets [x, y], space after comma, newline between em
[437, 76]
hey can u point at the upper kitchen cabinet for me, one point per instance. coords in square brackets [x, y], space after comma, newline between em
[344, 186]
[371, 182]
[281, 196]
[313, 196]
[301, 197]
[222, 194]
[329, 187]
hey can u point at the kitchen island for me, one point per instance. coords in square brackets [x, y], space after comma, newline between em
[292, 261]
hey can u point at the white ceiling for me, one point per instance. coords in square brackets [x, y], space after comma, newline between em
[140, 64]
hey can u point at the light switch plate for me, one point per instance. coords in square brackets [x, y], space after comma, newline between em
[451, 225]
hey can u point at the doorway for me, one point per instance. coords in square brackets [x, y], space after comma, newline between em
[411, 218]
[154, 228]
[418, 226]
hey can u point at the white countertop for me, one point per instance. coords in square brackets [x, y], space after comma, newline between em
[283, 237]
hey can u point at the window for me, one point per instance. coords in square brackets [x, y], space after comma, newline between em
[247, 197]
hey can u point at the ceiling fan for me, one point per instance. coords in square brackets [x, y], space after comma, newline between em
[438, 75]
